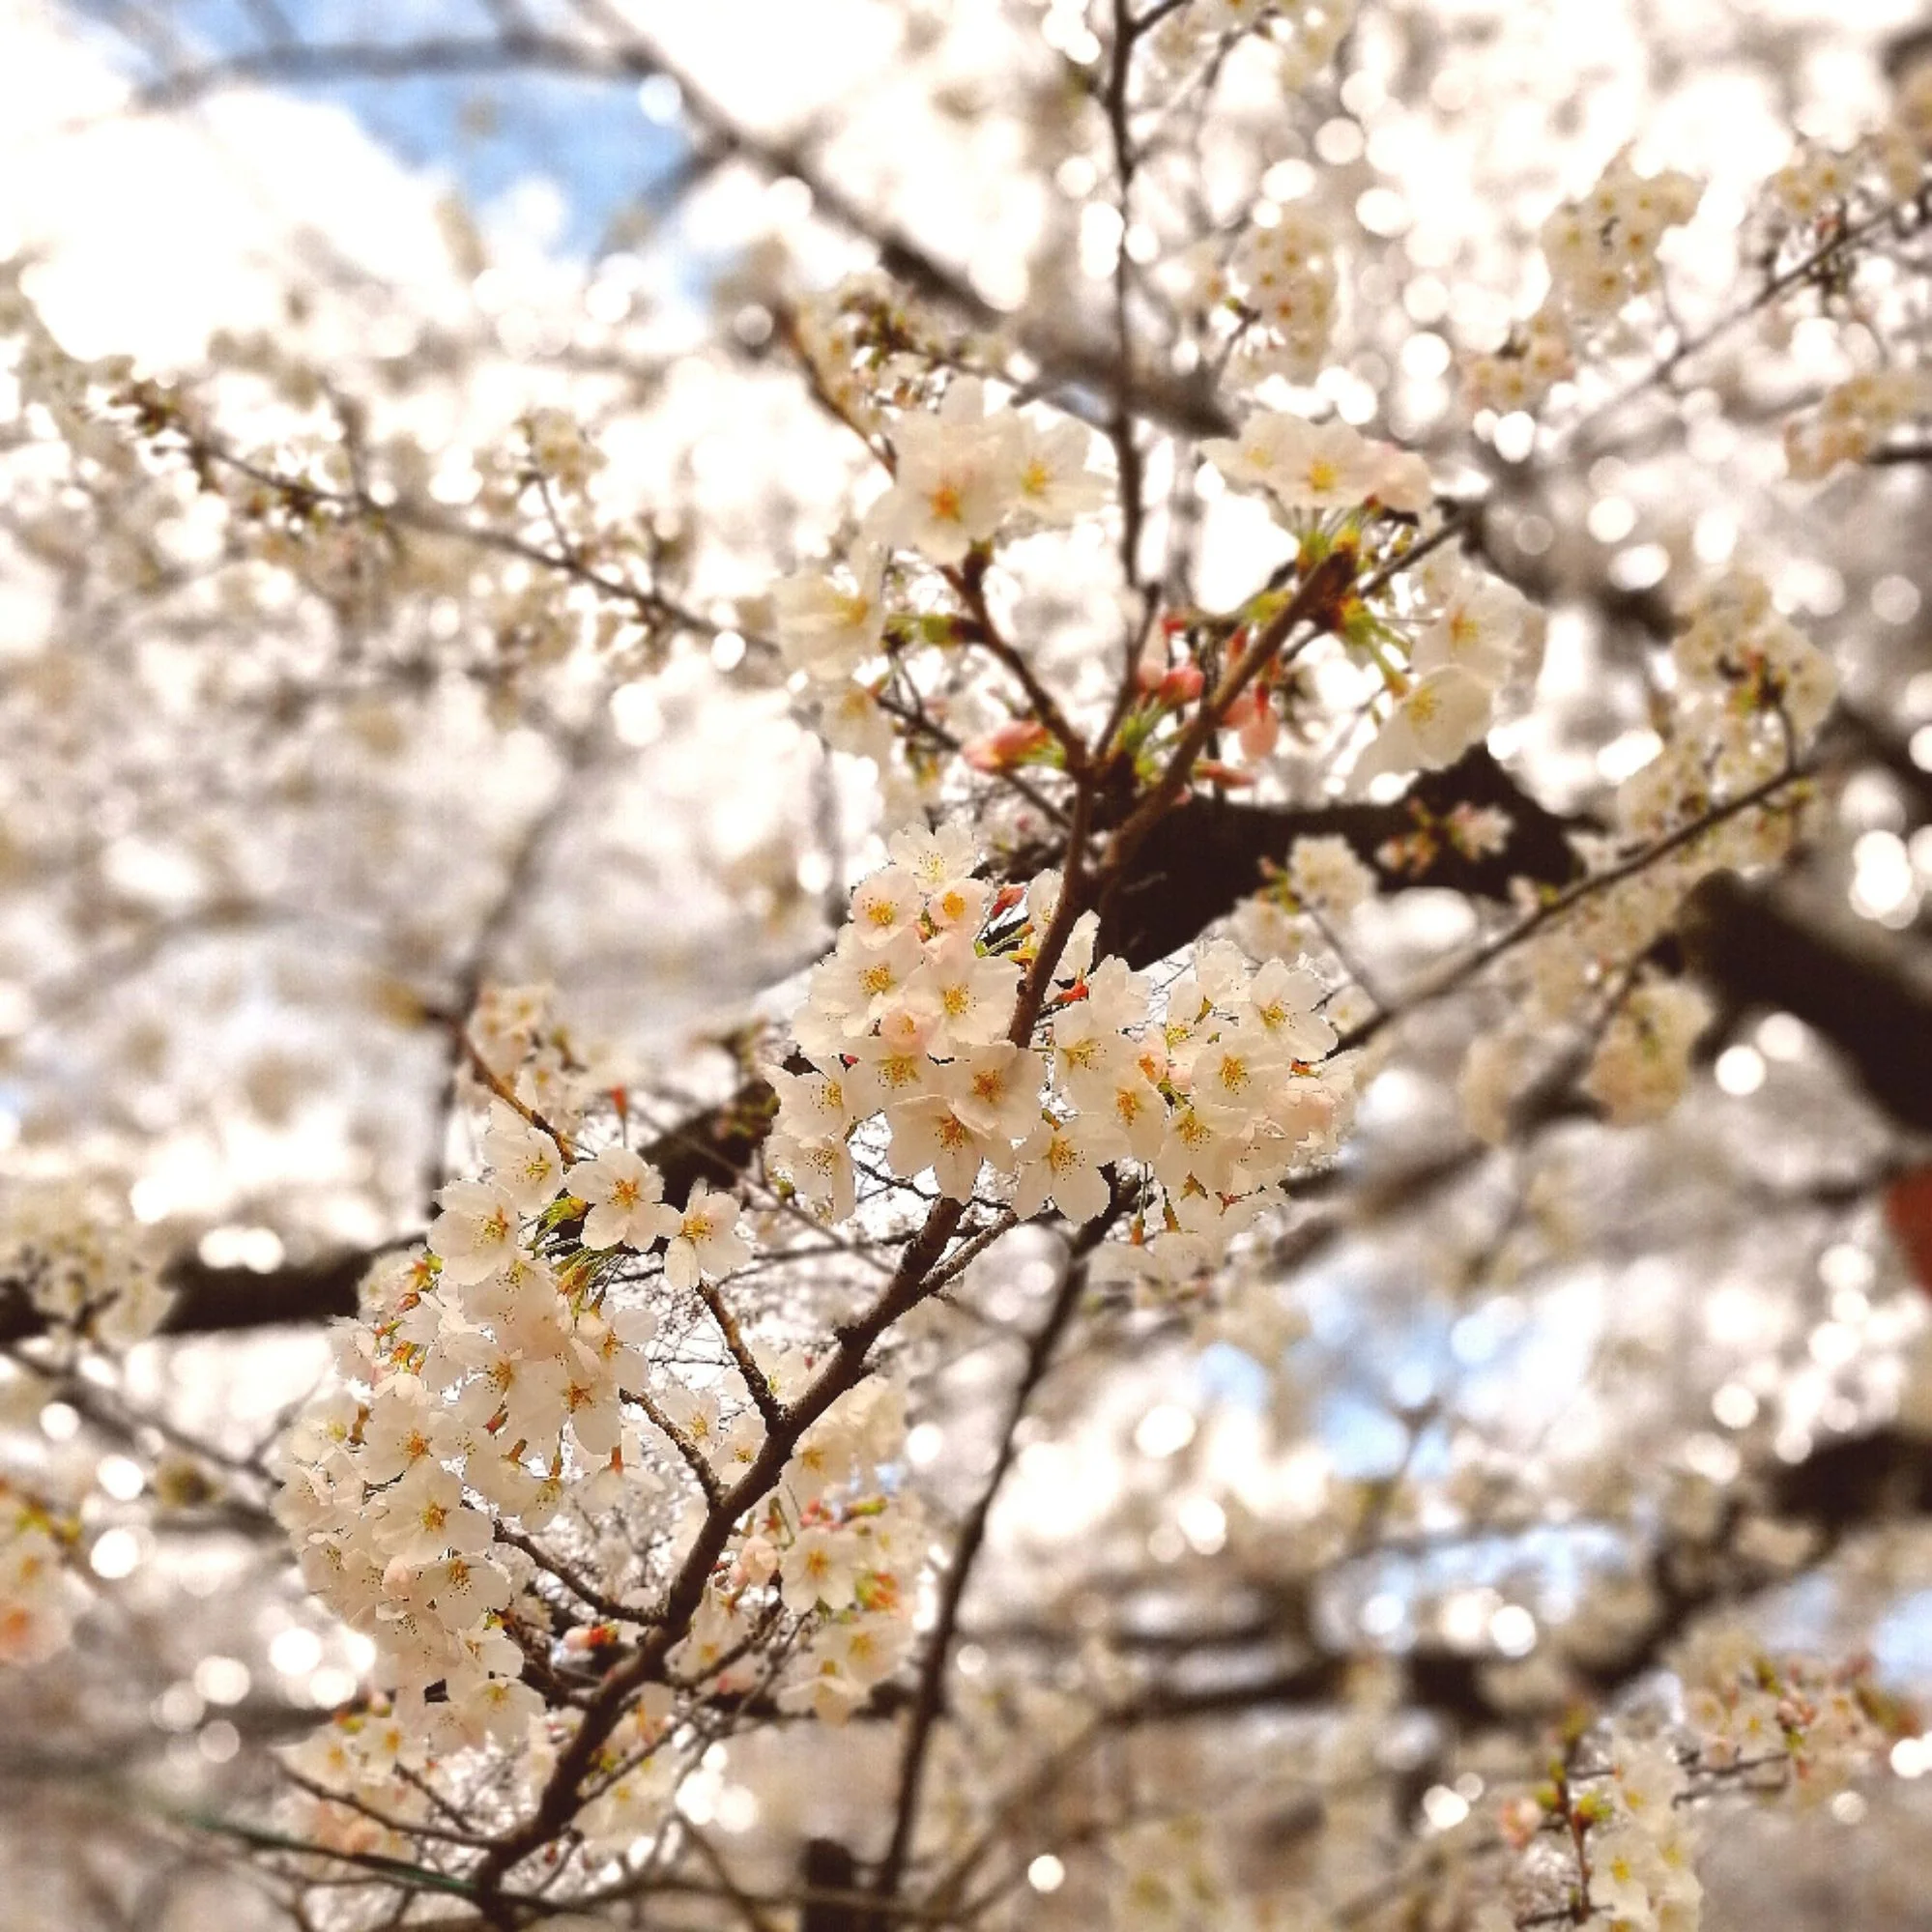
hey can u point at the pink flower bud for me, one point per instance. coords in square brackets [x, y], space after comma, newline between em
[1010, 745]
[1260, 730]
[1182, 685]
[1214, 773]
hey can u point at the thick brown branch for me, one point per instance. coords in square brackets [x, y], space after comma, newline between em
[1865, 997]
[1206, 854]
[1866, 992]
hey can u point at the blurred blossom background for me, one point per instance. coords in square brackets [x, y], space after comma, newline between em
[260, 836]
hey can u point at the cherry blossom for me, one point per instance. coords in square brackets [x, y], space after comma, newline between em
[626, 1196]
[706, 1243]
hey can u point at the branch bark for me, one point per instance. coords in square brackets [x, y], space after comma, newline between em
[1869, 995]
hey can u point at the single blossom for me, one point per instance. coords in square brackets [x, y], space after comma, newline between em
[1055, 481]
[1063, 1162]
[1437, 719]
[475, 1235]
[930, 1132]
[525, 1162]
[706, 1243]
[829, 625]
[957, 476]
[625, 1195]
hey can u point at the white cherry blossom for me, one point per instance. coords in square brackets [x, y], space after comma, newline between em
[476, 1233]
[524, 1161]
[707, 1243]
[829, 625]
[625, 1193]
[1063, 1162]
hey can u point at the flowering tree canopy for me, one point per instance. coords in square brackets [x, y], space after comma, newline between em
[1026, 1025]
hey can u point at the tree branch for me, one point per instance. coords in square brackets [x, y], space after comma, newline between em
[929, 1698]
[1065, 359]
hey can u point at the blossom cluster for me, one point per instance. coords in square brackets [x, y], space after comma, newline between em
[1323, 884]
[968, 474]
[1853, 419]
[370, 1767]
[1814, 181]
[560, 451]
[514, 1410]
[972, 472]
[1469, 637]
[1612, 1834]
[1199, 1097]
[75, 1260]
[1626, 1844]
[1751, 692]
[1313, 469]
[1521, 373]
[1640, 1848]
[1303, 36]
[841, 1549]
[1601, 251]
[1820, 186]
[1443, 639]
[1448, 638]
[965, 474]
[1642, 1063]
[1770, 1717]
[81, 1265]
[1282, 280]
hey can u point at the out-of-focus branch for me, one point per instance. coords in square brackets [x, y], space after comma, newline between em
[1847, 1486]
[1066, 359]
[402, 513]
[1867, 991]
[1265, 1660]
